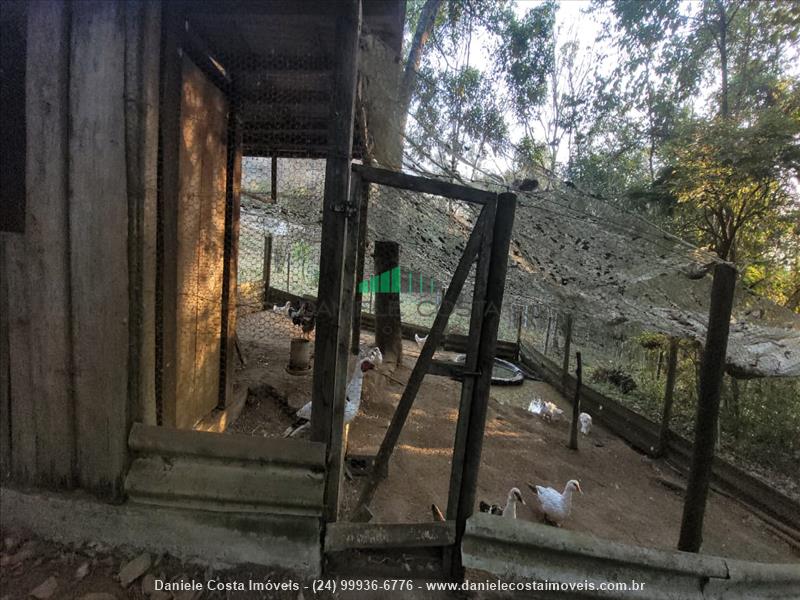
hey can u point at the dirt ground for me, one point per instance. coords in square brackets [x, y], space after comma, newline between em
[625, 496]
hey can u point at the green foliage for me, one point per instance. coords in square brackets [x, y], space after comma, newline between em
[526, 56]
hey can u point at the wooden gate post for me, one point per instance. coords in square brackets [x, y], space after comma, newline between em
[711, 372]
[669, 391]
[358, 302]
[495, 289]
[576, 405]
[327, 396]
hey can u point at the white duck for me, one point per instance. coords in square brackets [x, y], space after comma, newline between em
[420, 340]
[556, 506]
[351, 405]
[585, 420]
[283, 310]
[514, 496]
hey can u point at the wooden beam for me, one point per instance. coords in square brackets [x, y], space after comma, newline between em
[338, 440]
[380, 470]
[712, 371]
[576, 404]
[233, 161]
[327, 399]
[669, 392]
[424, 185]
[495, 289]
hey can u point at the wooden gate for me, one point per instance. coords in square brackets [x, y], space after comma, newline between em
[488, 244]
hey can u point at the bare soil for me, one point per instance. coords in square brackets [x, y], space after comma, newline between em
[627, 497]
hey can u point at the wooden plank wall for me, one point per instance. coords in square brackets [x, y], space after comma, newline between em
[200, 245]
[98, 240]
[66, 287]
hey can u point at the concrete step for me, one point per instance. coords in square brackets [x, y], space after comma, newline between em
[225, 472]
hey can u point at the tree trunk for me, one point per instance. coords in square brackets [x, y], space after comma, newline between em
[408, 84]
[712, 371]
[388, 336]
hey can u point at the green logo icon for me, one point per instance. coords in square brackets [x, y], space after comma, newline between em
[393, 281]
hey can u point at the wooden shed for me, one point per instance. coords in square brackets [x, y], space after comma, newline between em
[125, 124]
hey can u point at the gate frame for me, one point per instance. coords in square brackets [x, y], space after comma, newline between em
[488, 243]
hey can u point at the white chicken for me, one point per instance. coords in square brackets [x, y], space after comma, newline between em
[282, 310]
[585, 420]
[514, 496]
[420, 340]
[556, 506]
[351, 405]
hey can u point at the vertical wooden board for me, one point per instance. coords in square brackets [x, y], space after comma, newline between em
[99, 242]
[21, 406]
[143, 25]
[200, 251]
[46, 243]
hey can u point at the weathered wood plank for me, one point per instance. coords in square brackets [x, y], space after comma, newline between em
[424, 185]
[143, 26]
[98, 204]
[47, 247]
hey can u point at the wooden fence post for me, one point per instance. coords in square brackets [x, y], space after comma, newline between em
[267, 269]
[711, 372]
[669, 390]
[567, 344]
[576, 405]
